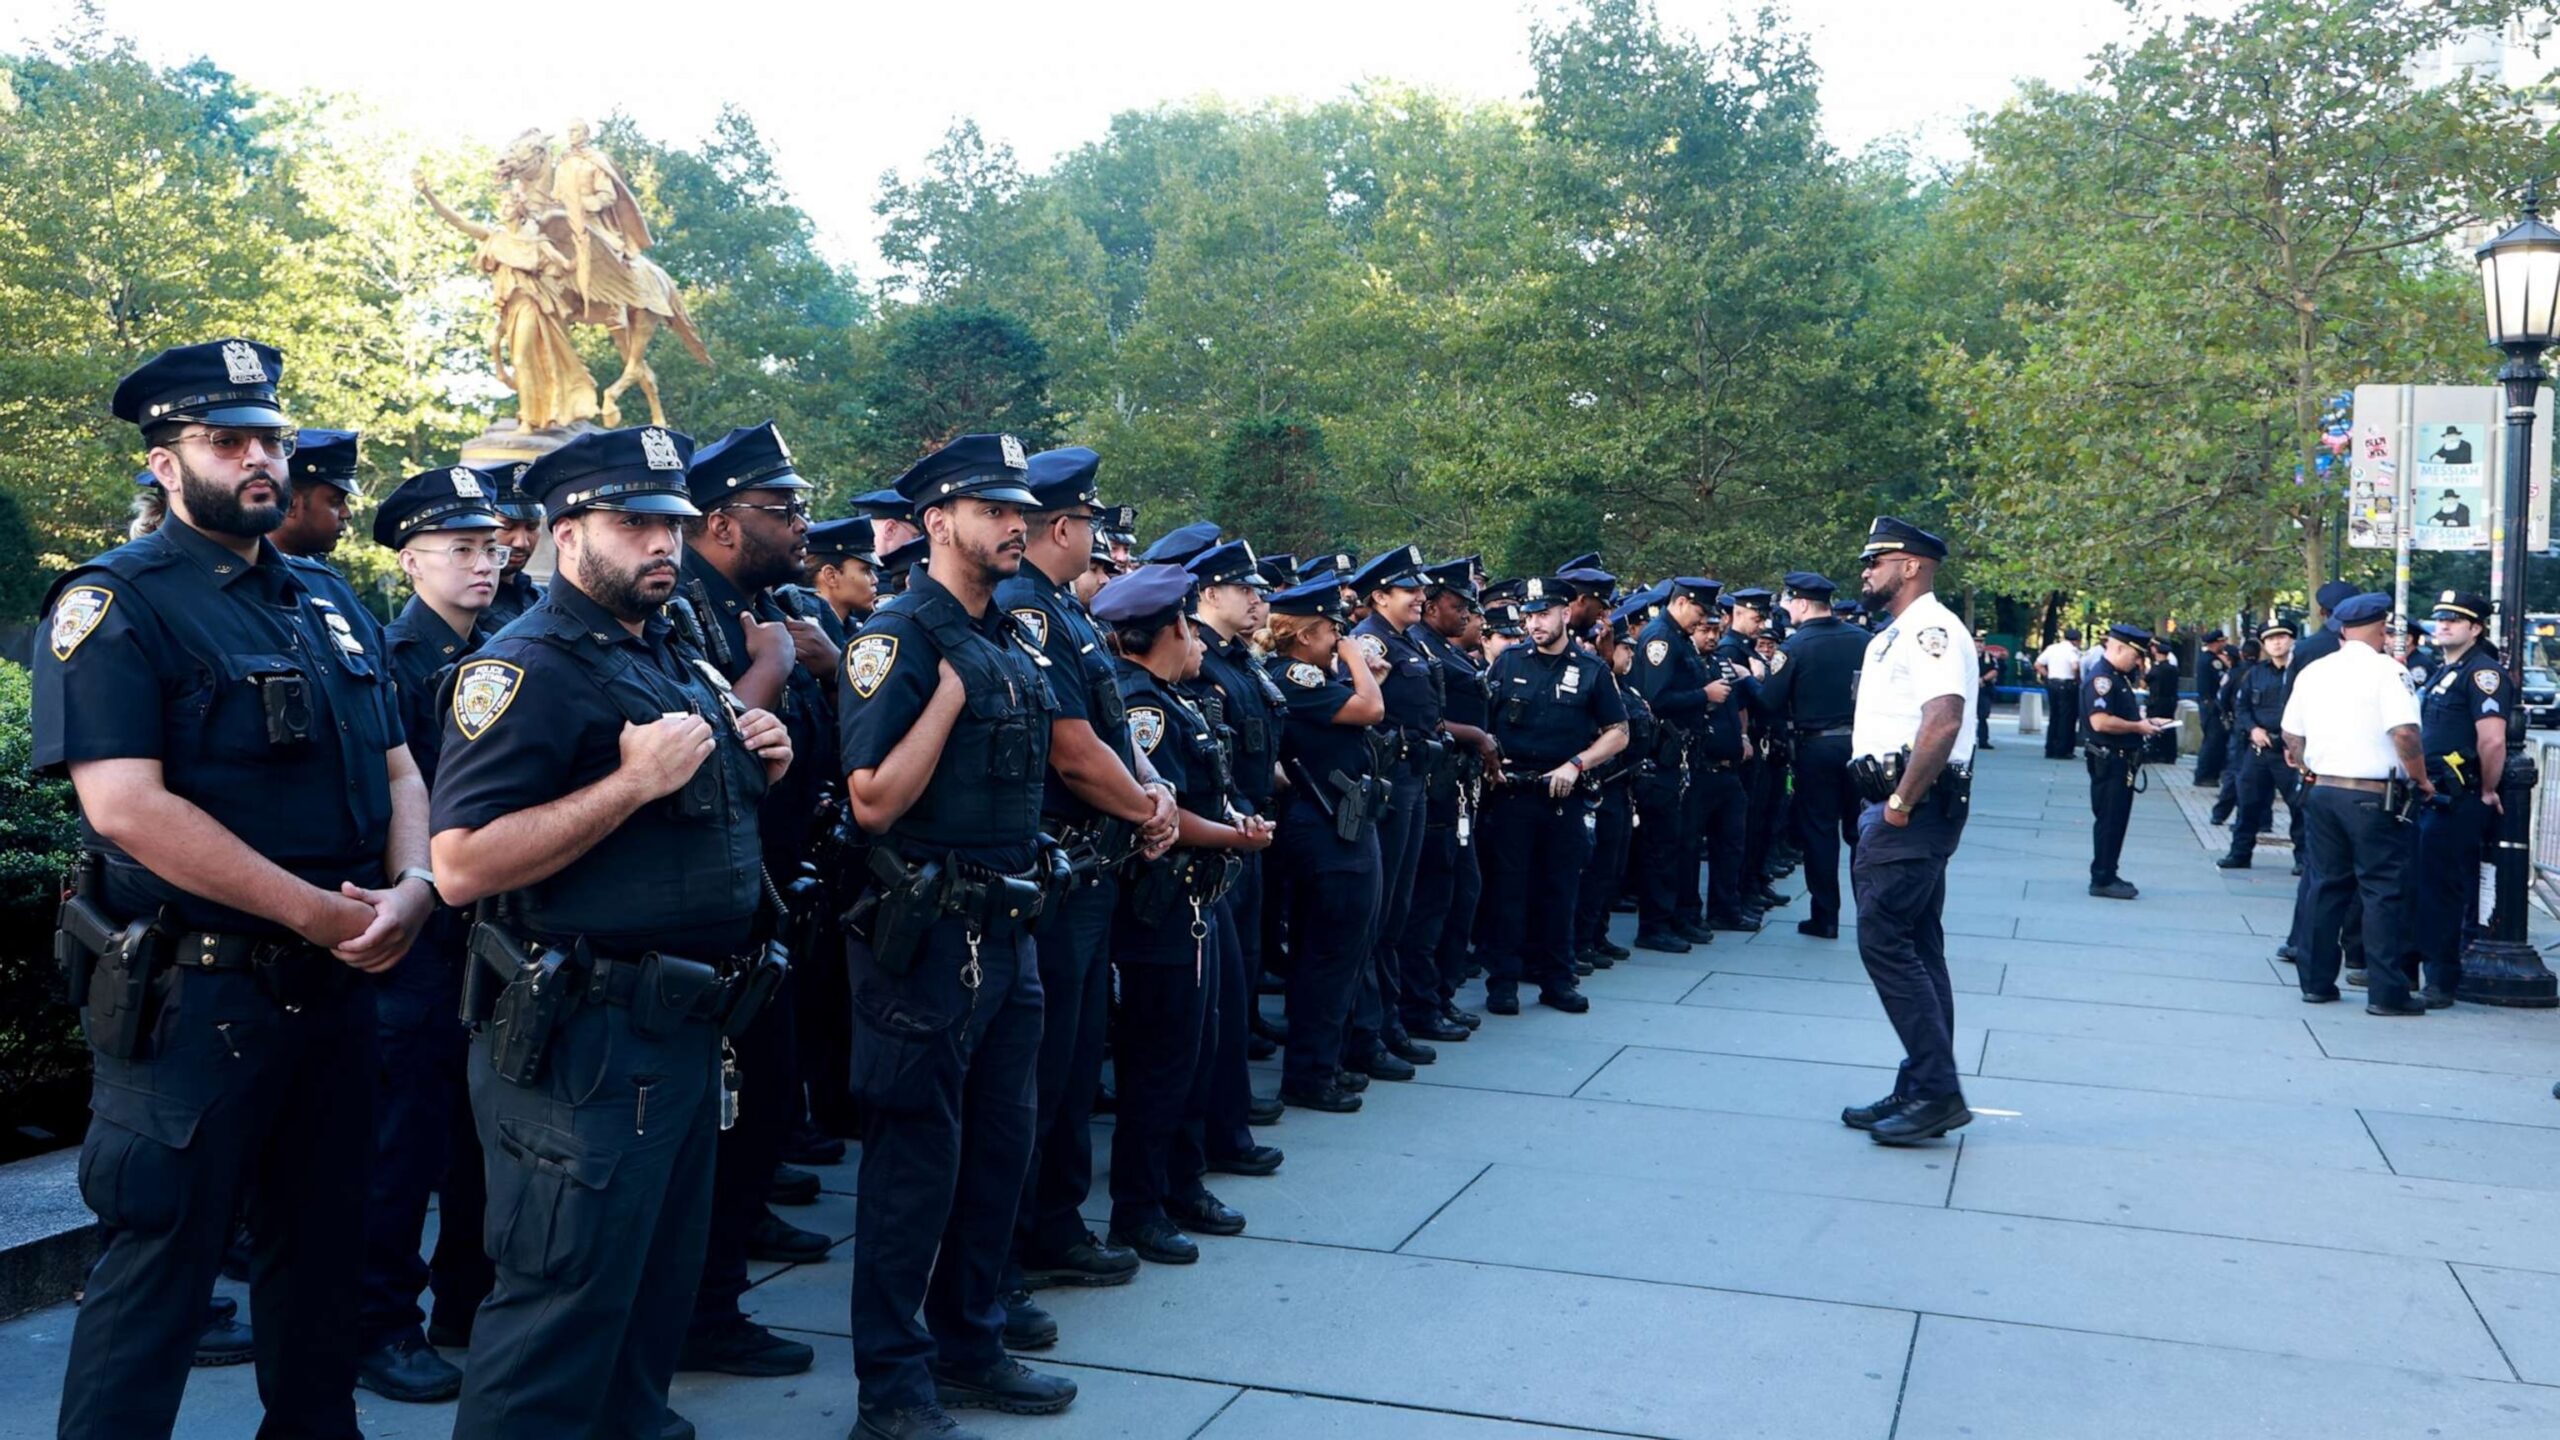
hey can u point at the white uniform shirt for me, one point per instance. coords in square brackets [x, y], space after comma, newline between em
[2060, 661]
[2345, 709]
[1925, 653]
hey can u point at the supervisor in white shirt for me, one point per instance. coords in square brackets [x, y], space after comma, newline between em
[2345, 708]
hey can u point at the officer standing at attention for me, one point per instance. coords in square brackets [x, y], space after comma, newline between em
[1604, 880]
[600, 790]
[1671, 676]
[1556, 714]
[845, 571]
[1411, 740]
[1814, 696]
[1913, 750]
[1448, 881]
[440, 522]
[2213, 667]
[1101, 801]
[2462, 723]
[1763, 770]
[947, 723]
[2058, 666]
[2352, 722]
[188, 683]
[2257, 721]
[2111, 708]
[520, 530]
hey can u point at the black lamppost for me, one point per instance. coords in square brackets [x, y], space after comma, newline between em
[2520, 289]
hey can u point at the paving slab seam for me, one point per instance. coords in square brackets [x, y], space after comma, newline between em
[1576, 1092]
[1229, 1404]
[2208, 1094]
[1910, 1352]
[2456, 1272]
[1481, 1171]
[2218, 1349]
[2377, 1140]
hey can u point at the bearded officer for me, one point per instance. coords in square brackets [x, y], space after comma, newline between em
[2462, 722]
[1814, 696]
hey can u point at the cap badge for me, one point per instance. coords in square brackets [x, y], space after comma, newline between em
[659, 448]
[781, 449]
[1537, 588]
[1013, 456]
[241, 359]
[465, 484]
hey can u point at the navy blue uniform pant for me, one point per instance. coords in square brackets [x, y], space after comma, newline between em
[1899, 877]
[1160, 1052]
[1225, 1126]
[1722, 801]
[1826, 813]
[2111, 773]
[1613, 828]
[1379, 1013]
[2214, 753]
[1435, 885]
[770, 1103]
[2062, 724]
[600, 1178]
[2263, 776]
[1466, 900]
[235, 1101]
[1332, 889]
[1666, 848]
[423, 1144]
[1535, 848]
[947, 1074]
[2363, 861]
[2451, 840]
[1075, 1000]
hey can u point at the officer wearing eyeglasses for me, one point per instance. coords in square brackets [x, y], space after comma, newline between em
[255, 835]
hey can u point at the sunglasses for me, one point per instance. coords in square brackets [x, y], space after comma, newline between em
[233, 444]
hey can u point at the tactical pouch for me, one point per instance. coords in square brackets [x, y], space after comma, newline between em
[669, 991]
[1057, 877]
[1158, 889]
[528, 1012]
[751, 989]
[900, 912]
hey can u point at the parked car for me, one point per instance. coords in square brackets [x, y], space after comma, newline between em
[2541, 698]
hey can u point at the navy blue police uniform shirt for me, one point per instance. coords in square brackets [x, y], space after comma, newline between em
[1410, 687]
[1175, 737]
[1080, 674]
[1549, 708]
[983, 803]
[1255, 712]
[2459, 696]
[1737, 652]
[790, 807]
[1315, 695]
[516, 593]
[1817, 689]
[1720, 732]
[1669, 673]
[2105, 690]
[155, 651]
[1462, 680]
[537, 713]
[422, 648]
[2257, 701]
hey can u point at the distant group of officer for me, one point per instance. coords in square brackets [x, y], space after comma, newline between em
[2389, 771]
[587, 908]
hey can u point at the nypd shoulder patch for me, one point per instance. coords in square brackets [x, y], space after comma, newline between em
[1302, 673]
[1146, 727]
[1373, 647]
[1035, 620]
[76, 615]
[482, 691]
[868, 663]
[2486, 680]
[1656, 651]
[2102, 685]
[1933, 640]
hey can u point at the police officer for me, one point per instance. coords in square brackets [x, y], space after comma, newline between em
[1912, 745]
[1556, 715]
[1671, 677]
[253, 837]
[322, 473]
[2235, 746]
[1720, 791]
[1095, 801]
[600, 788]
[2257, 698]
[2214, 662]
[2058, 666]
[845, 571]
[2352, 722]
[1763, 768]
[1448, 881]
[1167, 933]
[1411, 742]
[2111, 713]
[1325, 856]
[520, 530]
[1814, 696]
[1605, 879]
[744, 547]
[441, 523]
[2462, 722]
[947, 725]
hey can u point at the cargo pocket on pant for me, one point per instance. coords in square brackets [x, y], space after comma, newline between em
[133, 1164]
[897, 1049]
[547, 1202]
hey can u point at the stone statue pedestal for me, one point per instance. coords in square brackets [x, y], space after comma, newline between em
[505, 443]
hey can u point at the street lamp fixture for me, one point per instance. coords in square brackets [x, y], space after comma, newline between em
[2520, 296]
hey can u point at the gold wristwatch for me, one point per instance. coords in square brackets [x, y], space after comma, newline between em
[1894, 803]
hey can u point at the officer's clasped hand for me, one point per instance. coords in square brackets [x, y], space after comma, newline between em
[1561, 780]
[768, 739]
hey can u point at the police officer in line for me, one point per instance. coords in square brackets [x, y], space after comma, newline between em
[185, 682]
[1102, 802]
[1448, 882]
[2353, 723]
[1814, 696]
[441, 524]
[947, 721]
[844, 571]
[1613, 828]
[2235, 743]
[1410, 741]
[2214, 662]
[2116, 733]
[599, 787]
[1763, 769]
[1912, 753]
[520, 530]
[2463, 713]
[1168, 933]
[1556, 715]
[1669, 674]
[1720, 790]
[1324, 860]
[741, 551]
[322, 474]
[2257, 722]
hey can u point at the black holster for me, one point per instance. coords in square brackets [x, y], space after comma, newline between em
[904, 904]
[1352, 808]
[1876, 776]
[529, 1009]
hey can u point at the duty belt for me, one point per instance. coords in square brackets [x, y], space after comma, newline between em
[1808, 732]
[2348, 782]
[205, 950]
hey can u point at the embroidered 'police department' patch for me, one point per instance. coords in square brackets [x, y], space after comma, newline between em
[2102, 684]
[482, 691]
[1656, 651]
[2487, 680]
[1036, 621]
[77, 614]
[1146, 726]
[869, 661]
[1373, 647]
[1302, 673]
[1934, 640]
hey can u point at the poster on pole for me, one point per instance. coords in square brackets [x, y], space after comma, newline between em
[2430, 460]
[2450, 501]
[2373, 469]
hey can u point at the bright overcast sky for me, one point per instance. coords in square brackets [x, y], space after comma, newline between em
[843, 93]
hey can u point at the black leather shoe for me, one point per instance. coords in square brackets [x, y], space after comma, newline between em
[2319, 997]
[791, 1186]
[446, 1335]
[2408, 1009]
[1007, 1385]
[2233, 862]
[1583, 969]
[2435, 997]
[740, 1346]
[1744, 924]
[1464, 1019]
[1352, 1080]
[1089, 1264]
[1257, 1047]
[2355, 979]
[1564, 998]
[1106, 1098]
[1696, 932]
[1614, 950]
[1157, 1242]
[1260, 1160]
[1663, 942]
[2286, 954]
[2114, 890]
[407, 1370]
[1202, 1213]
[1332, 1099]
[221, 1307]
[924, 1422]
[1819, 929]
[2297, 869]
[1864, 1117]
[1432, 1027]
[1412, 1051]
[1768, 899]
[1026, 1325]
[2219, 816]
[224, 1340]
[808, 1147]
[1263, 1111]
[774, 1238]
[1921, 1120]
[1506, 1002]
[1385, 1065]
[1590, 955]
[672, 1426]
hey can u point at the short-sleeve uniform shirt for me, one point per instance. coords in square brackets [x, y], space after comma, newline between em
[2345, 709]
[1923, 654]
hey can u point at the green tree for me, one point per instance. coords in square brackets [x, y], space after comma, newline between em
[947, 370]
[1275, 486]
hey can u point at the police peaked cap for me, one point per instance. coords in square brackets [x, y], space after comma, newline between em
[639, 469]
[1334, 566]
[1694, 587]
[844, 540]
[1063, 479]
[1807, 585]
[2334, 594]
[1146, 593]
[1175, 547]
[1589, 580]
[980, 467]
[2129, 634]
[1458, 577]
[220, 382]
[1278, 570]
[1540, 593]
[454, 497]
[886, 505]
[751, 457]
[2462, 605]
[1228, 564]
[325, 457]
[506, 490]
[1753, 597]
[906, 557]
[2364, 609]
[1117, 521]
[1396, 569]
[1316, 597]
[1889, 535]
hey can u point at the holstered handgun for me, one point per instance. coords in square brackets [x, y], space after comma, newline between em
[1351, 815]
[895, 916]
[1876, 776]
[528, 1011]
[752, 987]
[110, 971]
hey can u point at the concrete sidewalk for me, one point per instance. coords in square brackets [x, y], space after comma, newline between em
[2191, 1207]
